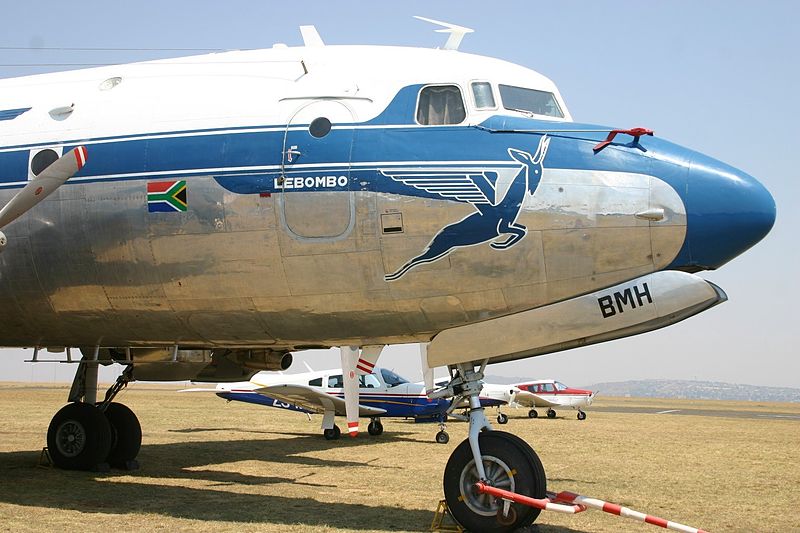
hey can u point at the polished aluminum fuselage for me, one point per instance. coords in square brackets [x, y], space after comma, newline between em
[257, 260]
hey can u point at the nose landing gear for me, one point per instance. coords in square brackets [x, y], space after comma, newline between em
[495, 458]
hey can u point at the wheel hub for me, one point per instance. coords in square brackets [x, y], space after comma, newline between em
[70, 438]
[498, 474]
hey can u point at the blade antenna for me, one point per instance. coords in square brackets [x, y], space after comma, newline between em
[456, 32]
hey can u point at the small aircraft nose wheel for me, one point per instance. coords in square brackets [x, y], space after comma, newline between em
[502, 418]
[442, 437]
[375, 428]
[581, 415]
[551, 413]
[509, 464]
[333, 433]
[533, 413]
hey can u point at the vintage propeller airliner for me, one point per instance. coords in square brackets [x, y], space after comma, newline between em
[209, 215]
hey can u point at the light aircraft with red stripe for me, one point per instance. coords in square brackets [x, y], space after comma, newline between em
[550, 393]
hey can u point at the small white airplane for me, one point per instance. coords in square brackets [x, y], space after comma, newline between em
[382, 393]
[550, 393]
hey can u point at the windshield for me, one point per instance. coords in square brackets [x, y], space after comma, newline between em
[530, 101]
[560, 386]
[391, 378]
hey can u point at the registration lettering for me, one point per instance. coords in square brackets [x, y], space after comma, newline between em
[615, 303]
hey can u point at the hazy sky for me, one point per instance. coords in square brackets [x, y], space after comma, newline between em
[721, 77]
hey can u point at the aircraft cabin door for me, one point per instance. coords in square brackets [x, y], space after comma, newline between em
[316, 201]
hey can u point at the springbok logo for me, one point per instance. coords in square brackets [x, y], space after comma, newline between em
[491, 219]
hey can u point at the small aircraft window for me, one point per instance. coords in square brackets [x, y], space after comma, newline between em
[335, 382]
[42, 160]
[315, 382]
[482, 93]
[319, 127]
[440, 104]
[530, 101]
[560, 386]
[370, 381]
[391, 378]
[548, 387]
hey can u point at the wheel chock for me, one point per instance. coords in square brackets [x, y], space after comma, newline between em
[443, 520]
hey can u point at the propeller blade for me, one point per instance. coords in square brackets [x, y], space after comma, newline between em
[44, 184]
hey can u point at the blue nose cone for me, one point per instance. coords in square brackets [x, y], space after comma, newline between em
[728, 211]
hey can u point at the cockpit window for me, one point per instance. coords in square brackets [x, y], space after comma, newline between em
[440, 104]
[391, 378]
[560, 386]
[530, 101]
[482, 93]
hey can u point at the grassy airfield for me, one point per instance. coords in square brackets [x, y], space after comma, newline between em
[211, 466]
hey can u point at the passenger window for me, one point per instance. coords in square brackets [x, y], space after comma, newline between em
[482, 93]
[440, 104]
[548, 387]
[315, 382]
[335, 382]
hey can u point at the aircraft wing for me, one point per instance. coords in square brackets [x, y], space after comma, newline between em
[314, 400]
[529, 399]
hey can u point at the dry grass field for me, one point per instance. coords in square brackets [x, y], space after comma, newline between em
[211, 466]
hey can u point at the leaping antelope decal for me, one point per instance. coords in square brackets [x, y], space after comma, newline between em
[491, 219]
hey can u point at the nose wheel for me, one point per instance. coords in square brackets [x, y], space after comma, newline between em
[581, 415]
[495, 458]
[375, 427]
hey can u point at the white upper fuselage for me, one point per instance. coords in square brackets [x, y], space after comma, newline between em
[239, 89]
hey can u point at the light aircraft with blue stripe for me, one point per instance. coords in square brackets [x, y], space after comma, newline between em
[202, 218]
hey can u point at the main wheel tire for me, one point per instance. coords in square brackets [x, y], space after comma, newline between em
[126, 434]
[79, 437]
[581, 415]
[551, 413]
[375, 428]
[510, 464]
[332, 433]
[533, 413]
[502, 418]
[442, 437]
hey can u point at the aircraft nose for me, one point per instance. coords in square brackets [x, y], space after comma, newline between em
[728, 212]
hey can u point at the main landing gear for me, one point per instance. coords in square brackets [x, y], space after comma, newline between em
[495, 458]
[85, 435]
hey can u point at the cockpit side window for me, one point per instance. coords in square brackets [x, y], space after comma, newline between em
[483, 95]
[391, 379]
[440, 104]
[530, 101]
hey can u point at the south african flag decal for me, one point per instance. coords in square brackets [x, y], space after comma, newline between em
[166, 196]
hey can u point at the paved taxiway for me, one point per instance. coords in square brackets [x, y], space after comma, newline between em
[696, 412]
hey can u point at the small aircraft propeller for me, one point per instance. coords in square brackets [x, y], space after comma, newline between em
[41, 186]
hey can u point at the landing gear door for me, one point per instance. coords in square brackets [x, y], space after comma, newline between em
[316, 202]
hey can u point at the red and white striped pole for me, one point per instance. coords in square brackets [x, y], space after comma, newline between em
[578, 503]
[613, 508]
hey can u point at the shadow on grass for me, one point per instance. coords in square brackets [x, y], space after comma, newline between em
[121, 493]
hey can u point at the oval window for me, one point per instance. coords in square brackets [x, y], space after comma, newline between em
[319, 127]
[42, 160]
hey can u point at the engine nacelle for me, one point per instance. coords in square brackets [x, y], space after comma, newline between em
[218, 365]
[261, 359]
